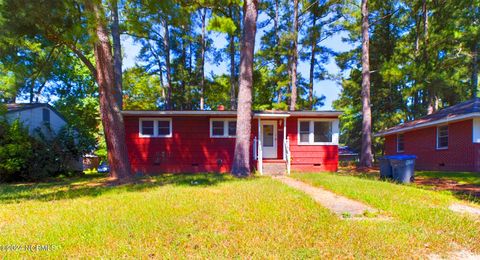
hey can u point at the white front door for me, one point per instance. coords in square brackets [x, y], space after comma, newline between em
[269, 139]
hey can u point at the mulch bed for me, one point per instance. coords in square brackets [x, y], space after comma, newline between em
[450, 185]
[467, 190]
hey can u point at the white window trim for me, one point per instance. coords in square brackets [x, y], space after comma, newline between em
[225, 127]
[476, 130]
[335, 131]
[398, 150]
[448, 136]
[155, 127]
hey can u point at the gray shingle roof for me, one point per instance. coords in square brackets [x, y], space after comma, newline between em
[23, 106]
[451, 112]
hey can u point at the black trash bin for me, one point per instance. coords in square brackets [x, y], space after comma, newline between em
[385, 168]
[403, 167]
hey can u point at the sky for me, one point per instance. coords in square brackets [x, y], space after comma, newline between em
[330, 89]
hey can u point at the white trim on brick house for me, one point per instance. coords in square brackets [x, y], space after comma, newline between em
[155, 121]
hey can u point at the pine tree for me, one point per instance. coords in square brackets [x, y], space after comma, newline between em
[241, 159]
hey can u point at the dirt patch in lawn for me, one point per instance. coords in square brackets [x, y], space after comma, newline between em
[450, 185]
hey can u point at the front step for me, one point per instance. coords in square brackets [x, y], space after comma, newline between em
[274, 167]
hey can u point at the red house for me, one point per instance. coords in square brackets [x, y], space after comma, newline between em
[448, 140]
[204, 141]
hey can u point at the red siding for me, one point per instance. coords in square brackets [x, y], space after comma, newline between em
[191, 149]
[310, 158]
[462, 154]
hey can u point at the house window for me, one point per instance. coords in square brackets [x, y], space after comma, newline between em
[46, 115]
[400, 143]
[322, 132]
[218, 128]
[153, 127]
[223, 128]
[442, 137]
[232, 128]
[315, 132]
[147, 128]
[163, 127]
[304, 131]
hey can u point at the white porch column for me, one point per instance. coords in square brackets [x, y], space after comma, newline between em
[259, 127]
[259, 151]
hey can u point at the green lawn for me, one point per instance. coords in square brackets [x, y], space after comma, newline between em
[217, 216]
[460, 177]
[422, 214]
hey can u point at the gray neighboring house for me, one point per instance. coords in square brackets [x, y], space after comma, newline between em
[36, 115]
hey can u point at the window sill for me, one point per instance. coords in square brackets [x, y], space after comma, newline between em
[441, 148]
[223, 137]
[316, 144]
[155, 136]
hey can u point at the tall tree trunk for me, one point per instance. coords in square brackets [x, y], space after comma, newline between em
[366, 156]
[432, 99]
[110, 110]
[293, 98]
[278, 61]
[475, 70]
[233, 104]
[182, 97]
[202, 62]
[310, 83]
[166, 45]
[117, 54]
[241, 159]
[312, 58]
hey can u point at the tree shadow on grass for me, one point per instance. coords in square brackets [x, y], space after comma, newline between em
[432, 180]
[96, 185]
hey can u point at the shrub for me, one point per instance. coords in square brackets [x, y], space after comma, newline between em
[54, 154]
[32, 158]
[15, 150]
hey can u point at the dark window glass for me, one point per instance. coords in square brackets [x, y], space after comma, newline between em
[163, 128]
[400, 143]
[268, 136]
[147, 127]
[232, 128]
[442, 137]
[304, 131]
[46, 115]
[217, 128]
[322, 132]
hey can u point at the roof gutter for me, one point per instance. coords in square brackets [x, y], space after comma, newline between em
[187, 113]
[231, 113]
[428, 124]
[316, 113]
[265, 115]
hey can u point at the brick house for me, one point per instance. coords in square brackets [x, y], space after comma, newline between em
[448, 140]
[204, 141]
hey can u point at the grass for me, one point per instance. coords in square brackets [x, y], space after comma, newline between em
[460, 177]
[420, 216]
[217, 216]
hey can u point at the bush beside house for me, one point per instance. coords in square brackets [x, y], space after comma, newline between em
[30, 157]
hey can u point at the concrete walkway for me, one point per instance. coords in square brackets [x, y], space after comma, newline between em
[460, 208]
[342, 206]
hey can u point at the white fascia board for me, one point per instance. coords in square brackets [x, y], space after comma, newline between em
[316, 113]
[231, 113]
[266, 115]
[180, 113]
[429, 124]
